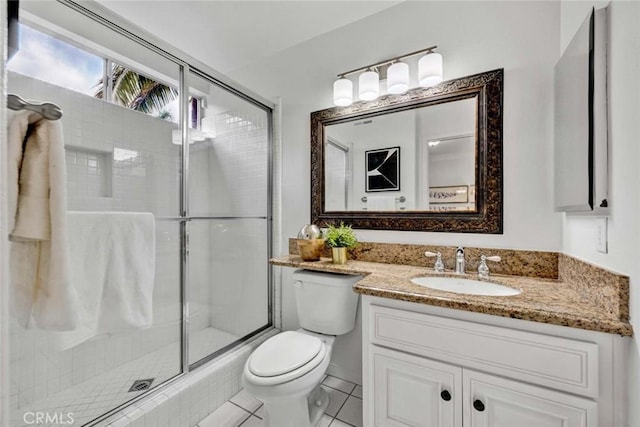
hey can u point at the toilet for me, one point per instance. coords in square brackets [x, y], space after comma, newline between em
[286, 370]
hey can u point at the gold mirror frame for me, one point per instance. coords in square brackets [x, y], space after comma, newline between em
[488, 216]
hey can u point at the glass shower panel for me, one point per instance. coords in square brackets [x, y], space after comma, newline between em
[228, 234]
[123, 184]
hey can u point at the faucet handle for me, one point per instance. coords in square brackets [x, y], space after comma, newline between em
[439, 265]
[483, 269]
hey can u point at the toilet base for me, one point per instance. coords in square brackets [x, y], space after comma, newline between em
[303, 411]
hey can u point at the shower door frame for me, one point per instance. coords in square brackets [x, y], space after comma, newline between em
[188, 64]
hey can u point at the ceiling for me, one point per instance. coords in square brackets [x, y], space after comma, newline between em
[228, 35]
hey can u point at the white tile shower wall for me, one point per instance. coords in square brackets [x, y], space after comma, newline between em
[145, 172]
[200, 275]
[238, 166]
[238, 187]
[144, 177]
[239, 294]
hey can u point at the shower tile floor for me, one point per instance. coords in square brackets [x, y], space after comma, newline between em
[344, 410]
[104, 392]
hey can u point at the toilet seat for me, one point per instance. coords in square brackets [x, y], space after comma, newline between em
[285, 357]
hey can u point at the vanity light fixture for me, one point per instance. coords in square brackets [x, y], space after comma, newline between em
[396, 73]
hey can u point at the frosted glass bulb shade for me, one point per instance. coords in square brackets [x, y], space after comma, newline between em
[430, 69]
[342, 92]
[398, 78]
[368, 85]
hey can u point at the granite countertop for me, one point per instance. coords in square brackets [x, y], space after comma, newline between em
[542, 300]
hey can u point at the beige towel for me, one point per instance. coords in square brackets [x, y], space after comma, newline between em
[39, 262]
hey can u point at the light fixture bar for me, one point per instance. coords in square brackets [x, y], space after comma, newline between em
[388, 61]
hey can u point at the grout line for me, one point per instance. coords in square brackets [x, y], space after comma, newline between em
[246, 419]
[245, 410]
[254, 412]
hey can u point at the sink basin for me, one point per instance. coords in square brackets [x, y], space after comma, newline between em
[461, 285]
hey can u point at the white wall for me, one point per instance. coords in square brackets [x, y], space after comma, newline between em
[579, 233]
[521, 37]
[474, 37]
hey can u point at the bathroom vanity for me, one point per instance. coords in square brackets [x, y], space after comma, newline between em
[552, 355]
[429, 366]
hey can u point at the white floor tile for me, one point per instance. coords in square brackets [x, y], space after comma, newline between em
[228, 415]
[338, 423]
[351, 412]
[260, 412]
[357, 392]
[245, 400]
[339, 384]
[253, 422]
[336, 399]
[325, 420]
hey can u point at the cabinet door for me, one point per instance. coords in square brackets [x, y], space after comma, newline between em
[413, 391]
[491, 401]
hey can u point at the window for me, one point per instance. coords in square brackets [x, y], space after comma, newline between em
[54, 61]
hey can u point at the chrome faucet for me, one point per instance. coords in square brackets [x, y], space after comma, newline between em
[460, 267]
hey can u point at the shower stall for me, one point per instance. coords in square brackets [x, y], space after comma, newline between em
[149, 135]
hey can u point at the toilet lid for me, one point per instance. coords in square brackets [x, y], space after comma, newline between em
[284, 353]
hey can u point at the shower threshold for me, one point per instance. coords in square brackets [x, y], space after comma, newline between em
[88, 400]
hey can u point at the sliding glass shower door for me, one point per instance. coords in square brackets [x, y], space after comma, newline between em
[168, 206]
[228, 211]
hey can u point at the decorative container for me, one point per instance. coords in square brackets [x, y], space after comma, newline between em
[339, 255]
[310, 249]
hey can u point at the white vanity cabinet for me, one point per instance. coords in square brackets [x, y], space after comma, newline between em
[414, 391]
[426, 366]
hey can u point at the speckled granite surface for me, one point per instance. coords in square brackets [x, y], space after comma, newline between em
[587, 298]
[514, 263]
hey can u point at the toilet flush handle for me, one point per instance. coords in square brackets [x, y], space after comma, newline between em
[297, 284]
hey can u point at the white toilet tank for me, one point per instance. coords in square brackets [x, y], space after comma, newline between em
[326, 301]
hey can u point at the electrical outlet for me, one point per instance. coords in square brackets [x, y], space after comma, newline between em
[601, 235]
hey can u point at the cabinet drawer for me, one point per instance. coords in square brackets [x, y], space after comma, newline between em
[564, 364]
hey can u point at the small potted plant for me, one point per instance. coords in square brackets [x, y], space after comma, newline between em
[339, 239]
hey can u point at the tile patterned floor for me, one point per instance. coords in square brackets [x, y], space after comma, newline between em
[344, 410]
[104, 392]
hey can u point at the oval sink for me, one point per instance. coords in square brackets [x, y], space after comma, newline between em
[461, 285]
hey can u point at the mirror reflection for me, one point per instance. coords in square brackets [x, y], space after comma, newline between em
[421, 159]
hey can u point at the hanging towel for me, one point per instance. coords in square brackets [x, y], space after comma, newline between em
[381, 203]
[113, 270]
[40, 285]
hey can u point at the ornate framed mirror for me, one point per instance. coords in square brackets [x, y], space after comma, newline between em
[427, 160]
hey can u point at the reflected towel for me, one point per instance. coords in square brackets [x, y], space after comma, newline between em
[39, 260]
[381, 203]
[113, 269]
